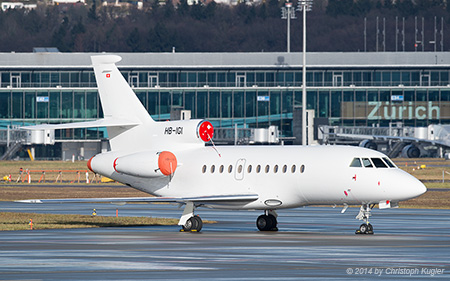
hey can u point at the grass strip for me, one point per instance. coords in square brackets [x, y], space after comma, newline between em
[20, 221]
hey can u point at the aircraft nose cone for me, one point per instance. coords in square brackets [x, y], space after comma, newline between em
[419, 188]
[406, 187]
[414, 188]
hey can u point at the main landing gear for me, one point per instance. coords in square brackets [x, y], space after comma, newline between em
[268, 221]
[188, 221]
[194, 224]
[364, 214]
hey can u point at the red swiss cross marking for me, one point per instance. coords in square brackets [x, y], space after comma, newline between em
[108, 75]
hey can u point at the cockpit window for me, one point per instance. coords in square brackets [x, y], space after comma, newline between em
[378, 163]
[356, 163]
[390, 164]
[367, 163]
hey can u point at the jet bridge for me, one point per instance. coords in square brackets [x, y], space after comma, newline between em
[394, 141]
[13, 139]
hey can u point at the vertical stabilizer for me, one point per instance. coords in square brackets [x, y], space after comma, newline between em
[118, 99]
[119, 102]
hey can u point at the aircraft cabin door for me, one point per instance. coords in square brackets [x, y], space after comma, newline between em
[239, 171]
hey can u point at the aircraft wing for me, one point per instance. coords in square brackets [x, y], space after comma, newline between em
[218, 199]
[106, 122]
[405, 139]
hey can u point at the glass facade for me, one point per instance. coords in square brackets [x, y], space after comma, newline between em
[233, 78]
[246, 97]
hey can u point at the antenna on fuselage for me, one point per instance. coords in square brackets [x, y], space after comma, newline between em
[214, 146]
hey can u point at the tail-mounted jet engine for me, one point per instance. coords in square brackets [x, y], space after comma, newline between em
[144, 164]
[147, 164]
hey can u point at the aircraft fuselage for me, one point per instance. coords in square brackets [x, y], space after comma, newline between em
[282, 177]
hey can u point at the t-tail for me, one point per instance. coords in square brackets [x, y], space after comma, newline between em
[129, 125]
[120, 104]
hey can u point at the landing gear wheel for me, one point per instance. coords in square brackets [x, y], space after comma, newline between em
[193, 224]
[266, 223]
[189, 225]
[274, 223]
[365, 229]
[199, 223]
[263, 223]
[362, 229]
[369, 229]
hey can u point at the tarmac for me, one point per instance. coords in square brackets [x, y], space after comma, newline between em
[312, 242]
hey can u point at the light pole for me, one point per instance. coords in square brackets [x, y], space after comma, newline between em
[288, 13]
[304, 6]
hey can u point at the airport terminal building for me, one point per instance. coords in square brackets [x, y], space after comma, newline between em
[232, 90]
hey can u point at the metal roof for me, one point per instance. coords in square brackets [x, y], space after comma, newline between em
[231, 60]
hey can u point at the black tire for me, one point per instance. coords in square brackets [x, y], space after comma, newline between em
[199, 223]
[363, 228]
[369, 229]
[274, 222]
[264, 223]
[190, 224]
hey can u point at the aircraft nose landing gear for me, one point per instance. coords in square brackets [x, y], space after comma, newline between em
[365, 229]
[268, 221]
[364, 214]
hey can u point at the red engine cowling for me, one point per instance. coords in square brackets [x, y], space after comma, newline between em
[147, 164]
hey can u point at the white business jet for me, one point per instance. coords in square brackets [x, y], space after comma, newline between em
[171, 161]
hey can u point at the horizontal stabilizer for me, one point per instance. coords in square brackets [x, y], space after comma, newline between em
[106, 122]
[198, 199]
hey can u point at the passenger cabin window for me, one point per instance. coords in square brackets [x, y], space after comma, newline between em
[302, 168]
[240, 169]
[249, 169]
[230, 169]
[275, 169]
[213, 168]
[378, 163]
[367, 163]
[390, 164]
[293, 169]
[204, 169]
[356, 163]
[258, 169]
[267, 168]
[221, 169]
[284, 168]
